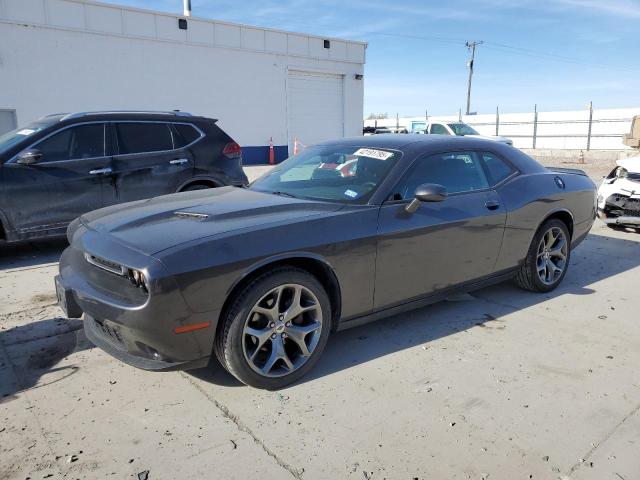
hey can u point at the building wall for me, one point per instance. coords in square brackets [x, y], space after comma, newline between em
[565, 130]
[72, 55]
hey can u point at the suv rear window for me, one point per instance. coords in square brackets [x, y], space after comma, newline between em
[186, 134]
[143, 137]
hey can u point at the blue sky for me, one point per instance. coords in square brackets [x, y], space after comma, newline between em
[560, 54]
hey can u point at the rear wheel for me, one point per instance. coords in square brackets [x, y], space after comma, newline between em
[275, 329]
[547, 259]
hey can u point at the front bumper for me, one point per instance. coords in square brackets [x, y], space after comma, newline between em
[138, 329]
[110, 340]
[619, 220]
[619, 208]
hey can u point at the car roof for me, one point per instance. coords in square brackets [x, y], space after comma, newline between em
[398, 141]
[421, 144]
[175, 116]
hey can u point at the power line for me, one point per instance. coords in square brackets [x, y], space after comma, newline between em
[504, 48]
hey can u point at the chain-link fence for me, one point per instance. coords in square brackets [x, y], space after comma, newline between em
[589, 129]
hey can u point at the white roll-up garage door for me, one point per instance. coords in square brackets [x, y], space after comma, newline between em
[315, 107]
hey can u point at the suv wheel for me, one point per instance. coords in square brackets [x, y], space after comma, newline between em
[197, 186]
[276, 329]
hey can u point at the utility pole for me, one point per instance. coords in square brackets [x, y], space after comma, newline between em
[472, 47]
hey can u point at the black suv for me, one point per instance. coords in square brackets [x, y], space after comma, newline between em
[61, 166]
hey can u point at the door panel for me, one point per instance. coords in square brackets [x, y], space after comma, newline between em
[48, 195]
[440, 245]
[147, 165]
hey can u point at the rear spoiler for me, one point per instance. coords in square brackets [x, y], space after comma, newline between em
[572, 171]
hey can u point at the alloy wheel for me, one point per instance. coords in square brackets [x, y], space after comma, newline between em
[551, 259]
[282, 330]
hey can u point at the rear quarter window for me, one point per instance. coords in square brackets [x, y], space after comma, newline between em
[497, 168]
[185, 134]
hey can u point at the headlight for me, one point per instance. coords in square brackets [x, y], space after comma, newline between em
[137, 278]
[621, 172]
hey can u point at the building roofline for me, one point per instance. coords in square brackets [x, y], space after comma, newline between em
[212, 20]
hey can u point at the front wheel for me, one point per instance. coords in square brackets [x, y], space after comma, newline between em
[547, 260]
[275, 329]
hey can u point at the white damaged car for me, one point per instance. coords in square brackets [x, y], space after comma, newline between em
[619, 194]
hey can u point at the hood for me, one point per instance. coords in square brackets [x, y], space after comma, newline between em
[493, 138]
[631, 164]
[153, 225]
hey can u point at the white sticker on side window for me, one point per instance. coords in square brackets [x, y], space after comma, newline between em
[25, 131]
[372, 153]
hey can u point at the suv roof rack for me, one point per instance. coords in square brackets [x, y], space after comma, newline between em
[177, 113]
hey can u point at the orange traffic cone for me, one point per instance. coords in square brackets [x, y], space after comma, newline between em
[272, 155]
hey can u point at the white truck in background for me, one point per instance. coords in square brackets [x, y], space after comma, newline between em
[460, 129]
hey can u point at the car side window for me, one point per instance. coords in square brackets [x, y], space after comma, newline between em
[437, 129]
[184, 135]
[143, 137]
[497, 168]
[458, 172]
[74, 143]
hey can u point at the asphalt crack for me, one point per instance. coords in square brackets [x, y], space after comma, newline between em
[241, 426]
[606, 437]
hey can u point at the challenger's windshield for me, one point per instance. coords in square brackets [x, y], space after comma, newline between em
[462, 129]
[334, 172]
[14, 137]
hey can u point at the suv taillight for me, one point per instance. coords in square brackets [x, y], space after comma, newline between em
[232, 150]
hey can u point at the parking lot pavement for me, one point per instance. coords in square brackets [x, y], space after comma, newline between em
[497, 384]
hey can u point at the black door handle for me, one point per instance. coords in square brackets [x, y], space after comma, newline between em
[492, 204]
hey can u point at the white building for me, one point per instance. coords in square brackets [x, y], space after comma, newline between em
[76, 55]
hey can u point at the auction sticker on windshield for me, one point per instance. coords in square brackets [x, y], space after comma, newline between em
[372, 153]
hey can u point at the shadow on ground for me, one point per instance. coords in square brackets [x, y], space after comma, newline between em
[598, 258]
[31, 254]
[33, 352]
[36, 348]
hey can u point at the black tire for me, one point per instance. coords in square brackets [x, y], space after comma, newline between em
[228, 345]
[527, 277]
[197, 186]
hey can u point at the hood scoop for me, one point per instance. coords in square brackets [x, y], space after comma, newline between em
[191, 215]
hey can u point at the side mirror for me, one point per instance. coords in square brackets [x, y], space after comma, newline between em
[427, 192]
[29, 157]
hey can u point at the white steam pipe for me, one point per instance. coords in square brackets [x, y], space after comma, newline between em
[187, 7]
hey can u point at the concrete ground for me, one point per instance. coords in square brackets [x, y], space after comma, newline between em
[500, 384]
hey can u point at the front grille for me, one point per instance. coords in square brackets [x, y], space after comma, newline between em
[104, 264]
[632, 206]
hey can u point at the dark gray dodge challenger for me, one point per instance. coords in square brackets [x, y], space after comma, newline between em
[343, 233]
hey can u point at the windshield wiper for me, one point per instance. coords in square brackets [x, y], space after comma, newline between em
[284, 194]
